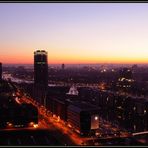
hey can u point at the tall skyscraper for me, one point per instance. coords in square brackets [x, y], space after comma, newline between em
[63, 66]
[0, 71]
[40, 76]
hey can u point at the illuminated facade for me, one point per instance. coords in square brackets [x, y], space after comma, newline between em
[40, 76]
[73, 91]
[94, 121]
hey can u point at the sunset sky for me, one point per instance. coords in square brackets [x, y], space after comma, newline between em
[74, 32]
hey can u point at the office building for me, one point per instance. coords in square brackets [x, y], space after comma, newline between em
[40, 76]
[83, 117]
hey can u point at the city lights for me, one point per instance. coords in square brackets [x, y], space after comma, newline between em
[35, 125]
[83, 83]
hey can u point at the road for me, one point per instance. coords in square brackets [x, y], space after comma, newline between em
[66, 135]
[60, 131]
[47, 120]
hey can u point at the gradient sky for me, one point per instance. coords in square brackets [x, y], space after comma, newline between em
[74, 32]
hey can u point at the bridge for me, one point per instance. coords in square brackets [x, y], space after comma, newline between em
[140, 133]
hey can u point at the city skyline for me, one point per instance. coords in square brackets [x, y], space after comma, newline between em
[74, 33]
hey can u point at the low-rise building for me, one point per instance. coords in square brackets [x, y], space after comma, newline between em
[83, 117]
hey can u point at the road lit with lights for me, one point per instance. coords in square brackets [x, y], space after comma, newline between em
[49, 121]
[46, 120]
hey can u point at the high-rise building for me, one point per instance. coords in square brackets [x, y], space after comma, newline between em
[40, 76]
[63, 66]
[0, 71]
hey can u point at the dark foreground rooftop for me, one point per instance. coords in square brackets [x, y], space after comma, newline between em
[28, 138]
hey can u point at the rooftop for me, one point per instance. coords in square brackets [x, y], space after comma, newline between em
[82, 106]
[25, 137]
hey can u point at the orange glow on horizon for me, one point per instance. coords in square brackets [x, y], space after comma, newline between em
[21, 60]
[68, 58]
[77, 34]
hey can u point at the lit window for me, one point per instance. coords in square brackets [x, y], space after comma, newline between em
[40, 62]
[96, 117]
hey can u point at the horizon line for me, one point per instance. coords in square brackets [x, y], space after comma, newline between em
[76, 63]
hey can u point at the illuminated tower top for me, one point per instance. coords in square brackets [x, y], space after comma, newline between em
[40, 52]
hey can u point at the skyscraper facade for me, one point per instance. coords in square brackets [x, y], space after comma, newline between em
[40, 76]
[0, 71]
